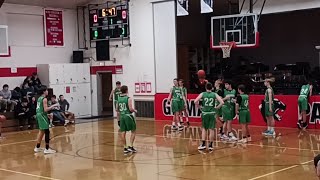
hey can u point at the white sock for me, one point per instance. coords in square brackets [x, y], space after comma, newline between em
[173, 123]
[269, 128]
[179, 124]
[272, 129]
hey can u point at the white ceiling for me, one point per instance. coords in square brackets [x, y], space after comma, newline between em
[51, 3]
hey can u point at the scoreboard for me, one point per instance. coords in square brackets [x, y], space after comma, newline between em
[109, 21]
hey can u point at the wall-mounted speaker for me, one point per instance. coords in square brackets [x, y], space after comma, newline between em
[103, 50]
[77, 57]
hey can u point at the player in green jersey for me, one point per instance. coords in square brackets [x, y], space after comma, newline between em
[228, 111]
[127, 120]
[115, 95]
[219, 90]
[269, 107]
[175, 98]
[183, 106]
[209, 108]
[305, 93]
[243, 113]
[43, 122]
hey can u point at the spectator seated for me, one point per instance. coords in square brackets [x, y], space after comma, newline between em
[64, 106]
[5, 99]
[27, 91]
[23, 114]
[36, 83]
[56, 112]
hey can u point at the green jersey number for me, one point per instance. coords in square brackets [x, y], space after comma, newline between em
[38, 105]
[208, 101]
[122, 107]
[245, 103]
[179, 95]
[304, 91]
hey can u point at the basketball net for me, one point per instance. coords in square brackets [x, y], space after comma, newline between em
[226, 48]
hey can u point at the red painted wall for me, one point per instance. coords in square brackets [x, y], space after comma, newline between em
[287, 112]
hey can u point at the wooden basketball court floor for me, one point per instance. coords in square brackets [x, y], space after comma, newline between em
[94, 151]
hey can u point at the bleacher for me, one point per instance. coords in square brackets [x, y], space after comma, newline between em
[10, 124]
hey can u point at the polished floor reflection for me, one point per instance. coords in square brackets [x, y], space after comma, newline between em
[94, 151]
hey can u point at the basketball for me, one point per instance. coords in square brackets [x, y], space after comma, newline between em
[201, 73]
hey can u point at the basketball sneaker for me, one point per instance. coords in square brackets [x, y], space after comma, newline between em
[51, 125]
[37, 150]
[125, 150]
[131, 149]
[304, 125]
[224, 137]
[202, 147]
[232, 137]
[174, 128]
[210, 148]
[49, 151]
[300, 124]
[66, 122]
[271, 133]
[180, 128]
[265, 132]
[249, 139]
[243, 140]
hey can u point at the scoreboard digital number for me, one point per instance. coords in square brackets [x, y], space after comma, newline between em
[109, 23]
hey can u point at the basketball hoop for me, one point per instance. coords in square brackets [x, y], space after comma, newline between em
[226, 48]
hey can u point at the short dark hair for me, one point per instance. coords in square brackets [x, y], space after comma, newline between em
[175, 79]
[118, 83]
[42, 89]
[4, 86]
[124, 89]
[209, 86]
[54, 96]
[227, 82]
[242, 88]
[24, 100]
[181, 80]
[60, 96]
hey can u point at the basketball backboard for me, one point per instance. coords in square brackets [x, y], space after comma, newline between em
[240, 28]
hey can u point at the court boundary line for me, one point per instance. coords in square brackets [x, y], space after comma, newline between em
[27, 174]
[280, 170]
